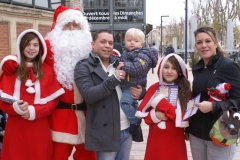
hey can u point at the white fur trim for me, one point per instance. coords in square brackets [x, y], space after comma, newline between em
[140, 114]
[17, 109]
[39, 36]
[32, 112]
[29, 83]
[64, 137]
[216, 99]
[68, 13]
[162, 125]
[71, 138]
[81, 126]
[179, 59]
[77, 95]
[17, 89]
[156, 100]
[143, 113]
[9, 57]
[153, 116]
[179, 121]
[39, 100]
[30, 90]
[116, 52]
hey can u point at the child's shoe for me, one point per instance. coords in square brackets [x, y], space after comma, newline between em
[134, 127]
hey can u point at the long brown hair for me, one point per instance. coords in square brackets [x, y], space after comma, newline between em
[211, 32]
[184, 87]
[22, 70]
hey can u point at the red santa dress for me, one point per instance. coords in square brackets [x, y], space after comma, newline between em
[166, 141]
[28, 139]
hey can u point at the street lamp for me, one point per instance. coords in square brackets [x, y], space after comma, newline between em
[161, 33]
[186, 26]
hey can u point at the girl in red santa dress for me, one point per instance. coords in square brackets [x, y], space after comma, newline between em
[166, 138]
[34, 90]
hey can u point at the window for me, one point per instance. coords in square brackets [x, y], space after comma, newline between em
[23, 1]
[95, 3]
[128, 3]
[43, 4]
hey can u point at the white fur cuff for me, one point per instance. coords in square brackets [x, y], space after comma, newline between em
[156, 100]
[153, 116]
[162, 125]
[17, 109]
[140, 114]
[31, 112]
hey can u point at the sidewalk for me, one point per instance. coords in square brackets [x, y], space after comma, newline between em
[138, 149]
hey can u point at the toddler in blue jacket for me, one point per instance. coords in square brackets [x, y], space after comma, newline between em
[138, 60]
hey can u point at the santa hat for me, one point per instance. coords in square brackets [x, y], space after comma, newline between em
[223, 87]
[62, 13]
[164, 60]
[116, 53]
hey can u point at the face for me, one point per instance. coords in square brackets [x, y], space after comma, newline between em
[132, 43]
[72, 26]
[169, 73]
[103, 46]
[31, 50]
[205, 46]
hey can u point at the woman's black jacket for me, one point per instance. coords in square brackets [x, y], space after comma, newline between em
[219, 69]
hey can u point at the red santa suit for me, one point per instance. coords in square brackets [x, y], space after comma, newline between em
[28, 139]
[68, 122]
[165, 141]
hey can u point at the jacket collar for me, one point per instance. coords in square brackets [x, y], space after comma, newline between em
[213, 61]
[95, 59]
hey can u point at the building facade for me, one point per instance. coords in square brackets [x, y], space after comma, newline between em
[115, 15]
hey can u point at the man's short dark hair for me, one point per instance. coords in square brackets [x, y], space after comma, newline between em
[95, 35]
[153, 43]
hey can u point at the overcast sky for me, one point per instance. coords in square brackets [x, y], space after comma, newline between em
[174, 8]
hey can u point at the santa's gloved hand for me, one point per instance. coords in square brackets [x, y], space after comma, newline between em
[9, 67]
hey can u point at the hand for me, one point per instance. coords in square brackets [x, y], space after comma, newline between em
[161, 116]
[205, 106]
[23, 105]
[136, 92]
[120, 74]
[9, 67]
[26, 115]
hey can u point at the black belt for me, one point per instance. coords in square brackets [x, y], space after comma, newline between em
[63, 105]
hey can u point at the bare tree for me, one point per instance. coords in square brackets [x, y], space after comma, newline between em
[175, 29]
[216, 13]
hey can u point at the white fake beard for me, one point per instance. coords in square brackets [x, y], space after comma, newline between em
[68, 48]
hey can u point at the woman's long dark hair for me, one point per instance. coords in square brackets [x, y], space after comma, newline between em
[22, 70]
[184, 86]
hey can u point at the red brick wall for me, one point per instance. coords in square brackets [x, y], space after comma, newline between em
[43, 29]
[22, 27]
[4, 39]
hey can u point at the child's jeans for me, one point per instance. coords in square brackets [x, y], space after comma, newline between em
[129, 105]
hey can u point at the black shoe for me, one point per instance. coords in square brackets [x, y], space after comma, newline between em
[134, 127]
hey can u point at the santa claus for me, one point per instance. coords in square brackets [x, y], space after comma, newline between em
[68, 42]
